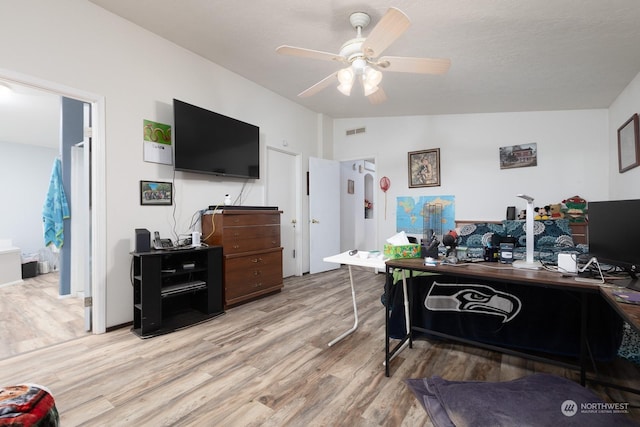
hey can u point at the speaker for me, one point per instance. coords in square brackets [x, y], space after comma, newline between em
[143, 240]
[511, 212]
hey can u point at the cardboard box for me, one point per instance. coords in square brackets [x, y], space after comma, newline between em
[402, 251]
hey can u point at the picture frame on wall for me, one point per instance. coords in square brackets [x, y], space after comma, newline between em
[628, 145]
[519, 156]
[424, 168]
[156, 193]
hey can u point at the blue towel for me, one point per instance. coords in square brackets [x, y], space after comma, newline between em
[55, 209]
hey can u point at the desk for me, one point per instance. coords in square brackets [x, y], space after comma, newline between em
[499, 273]
[629, 312]
[350, 260]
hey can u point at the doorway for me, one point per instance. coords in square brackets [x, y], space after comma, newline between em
[283, 190]
[96, 243]
[358, 201]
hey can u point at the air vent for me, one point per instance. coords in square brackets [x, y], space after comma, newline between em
[356, 131]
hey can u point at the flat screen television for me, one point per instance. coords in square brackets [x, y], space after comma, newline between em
[211, 143]
[614, 234]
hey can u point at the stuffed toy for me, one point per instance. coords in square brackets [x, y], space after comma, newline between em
[542, 213]
[556, 211]
[575, 209]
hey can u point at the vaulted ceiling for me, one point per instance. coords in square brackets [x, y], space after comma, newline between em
[506, 55]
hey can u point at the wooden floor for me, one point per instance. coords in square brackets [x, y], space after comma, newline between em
[33, 316]
[265, 363]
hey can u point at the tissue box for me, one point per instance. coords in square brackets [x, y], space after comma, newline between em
[411, 250]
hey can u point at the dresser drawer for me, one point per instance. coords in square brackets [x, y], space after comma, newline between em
[253, 274]
[250, 238]
[231, 220]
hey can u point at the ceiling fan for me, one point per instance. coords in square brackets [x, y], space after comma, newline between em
[362, 56]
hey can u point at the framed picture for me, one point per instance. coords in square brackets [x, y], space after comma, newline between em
[424, 168]
[350, 186]
[519, 156]
[156, 193]
[628, 145]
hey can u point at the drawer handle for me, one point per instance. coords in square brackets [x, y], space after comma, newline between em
[256, 260]
[236, 220]
[236, 234]
[236, 246]
[257, 273]
[257, 285]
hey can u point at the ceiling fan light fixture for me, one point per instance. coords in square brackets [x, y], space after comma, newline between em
[372, 76]
[359, 65]
[369, 89]
[362, 54]
[345, 88]
[346, 76]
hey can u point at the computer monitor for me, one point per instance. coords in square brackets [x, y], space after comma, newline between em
[614, 235]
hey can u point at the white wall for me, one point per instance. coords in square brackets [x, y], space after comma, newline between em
[77, 44]
[24, 173]
[623, 185]
[572, 153]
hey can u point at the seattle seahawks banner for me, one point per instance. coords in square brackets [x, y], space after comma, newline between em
[518, 316]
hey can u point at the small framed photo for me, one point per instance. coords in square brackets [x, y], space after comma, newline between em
[156, 193]
[519, 156]
[424, 168]
[628, 145]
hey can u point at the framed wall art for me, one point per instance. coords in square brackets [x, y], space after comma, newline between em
[519, 156]
[628, 145]
[424, 168]
[156, 193]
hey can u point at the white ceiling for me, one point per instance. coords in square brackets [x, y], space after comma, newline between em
[506, 55]
[30, 116]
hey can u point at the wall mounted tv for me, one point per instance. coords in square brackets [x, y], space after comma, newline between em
[208, 142]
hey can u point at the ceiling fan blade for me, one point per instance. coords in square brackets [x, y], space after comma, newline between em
[392, 25]
[377, 97]
[309, 53]
[327, 81]
[403, 64]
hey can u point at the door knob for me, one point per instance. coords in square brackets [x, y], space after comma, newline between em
[315, 221]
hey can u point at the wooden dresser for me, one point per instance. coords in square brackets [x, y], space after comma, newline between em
[252, 255]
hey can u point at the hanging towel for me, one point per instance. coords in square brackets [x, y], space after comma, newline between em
[55, 209]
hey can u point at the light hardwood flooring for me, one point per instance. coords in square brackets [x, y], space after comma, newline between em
[33, 316]
[263, 363]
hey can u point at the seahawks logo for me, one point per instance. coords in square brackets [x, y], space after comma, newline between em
[472, 298]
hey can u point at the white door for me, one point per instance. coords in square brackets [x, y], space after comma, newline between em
[283, 190]
[324, 213]
[81, 260]
[79, 222]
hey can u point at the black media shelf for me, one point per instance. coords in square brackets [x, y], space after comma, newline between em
[167, 297]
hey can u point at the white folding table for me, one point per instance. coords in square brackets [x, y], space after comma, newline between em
[351, 260]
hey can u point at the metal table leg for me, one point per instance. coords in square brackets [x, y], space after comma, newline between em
[355, 312]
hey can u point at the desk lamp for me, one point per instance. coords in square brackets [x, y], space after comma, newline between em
[528, 262]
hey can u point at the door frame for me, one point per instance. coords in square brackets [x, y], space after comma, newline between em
[298, 203]
[98, 185]
[376, 200]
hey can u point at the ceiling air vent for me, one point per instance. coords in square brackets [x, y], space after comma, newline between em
[356, 131]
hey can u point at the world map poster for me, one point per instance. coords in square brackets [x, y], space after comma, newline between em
[411, 212]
